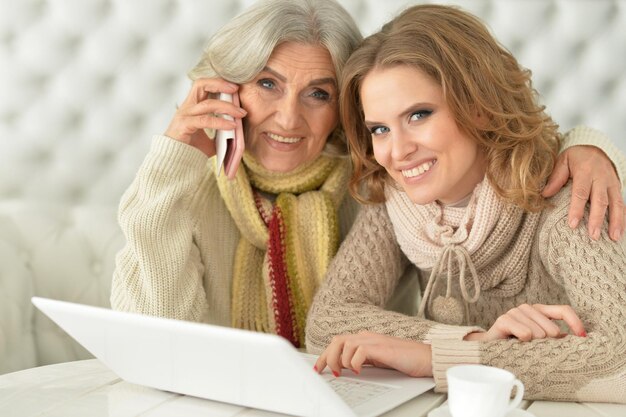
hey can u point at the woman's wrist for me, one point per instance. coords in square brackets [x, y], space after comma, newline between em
[426, 359]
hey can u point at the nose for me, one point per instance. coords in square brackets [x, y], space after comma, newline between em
[288, 111]
[402, 145]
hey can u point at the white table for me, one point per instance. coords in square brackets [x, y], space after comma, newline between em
[89, 389]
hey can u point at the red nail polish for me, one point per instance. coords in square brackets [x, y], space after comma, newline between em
[336, 373]
[315, 368]
[583, 334]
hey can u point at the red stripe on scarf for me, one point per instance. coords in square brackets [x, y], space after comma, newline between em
[279, 280]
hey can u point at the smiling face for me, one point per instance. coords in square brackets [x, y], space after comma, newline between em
[416, 138]
[292, 106]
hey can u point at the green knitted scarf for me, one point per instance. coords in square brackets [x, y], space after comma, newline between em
[285, 246]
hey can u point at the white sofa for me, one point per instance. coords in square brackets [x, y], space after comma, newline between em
[85, 83]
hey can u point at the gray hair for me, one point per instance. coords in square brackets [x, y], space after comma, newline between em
[241, 48]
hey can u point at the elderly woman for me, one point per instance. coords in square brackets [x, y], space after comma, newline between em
[251, 251]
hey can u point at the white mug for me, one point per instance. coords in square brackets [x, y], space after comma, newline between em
[482, 391]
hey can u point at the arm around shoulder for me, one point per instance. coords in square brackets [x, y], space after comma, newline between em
[584, 135]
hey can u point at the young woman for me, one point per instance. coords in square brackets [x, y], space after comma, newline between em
[447, 137]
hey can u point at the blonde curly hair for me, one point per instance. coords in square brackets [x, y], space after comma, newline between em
[478, 76]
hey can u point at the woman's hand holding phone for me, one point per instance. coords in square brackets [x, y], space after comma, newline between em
[200, 111]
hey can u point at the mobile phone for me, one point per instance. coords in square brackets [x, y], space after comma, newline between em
[229, 144]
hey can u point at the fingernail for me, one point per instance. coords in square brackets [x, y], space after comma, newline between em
[616, 235]
[315, 368]
[595, 235]
[242, 111]
[356, 371]
[573, 223]
[582, 334]
[335, 373]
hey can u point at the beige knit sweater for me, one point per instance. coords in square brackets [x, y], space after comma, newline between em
[558, 266]
[181, 239]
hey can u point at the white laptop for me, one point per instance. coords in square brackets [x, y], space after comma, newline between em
[229, 365]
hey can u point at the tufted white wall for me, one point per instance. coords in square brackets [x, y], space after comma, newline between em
[85, 83]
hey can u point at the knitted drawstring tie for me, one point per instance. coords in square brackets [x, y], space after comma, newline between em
[448, 307]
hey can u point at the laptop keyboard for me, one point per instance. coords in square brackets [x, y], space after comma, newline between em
[355, 392]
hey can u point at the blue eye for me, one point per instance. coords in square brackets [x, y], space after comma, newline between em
[420, 114]
[266, 83]
[379, 130]
[320, 95]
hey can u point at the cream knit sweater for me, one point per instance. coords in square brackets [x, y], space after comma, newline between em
[558, 266]
[181, 239]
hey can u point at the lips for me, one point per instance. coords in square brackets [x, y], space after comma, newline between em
[418, 170]
[284, 139]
